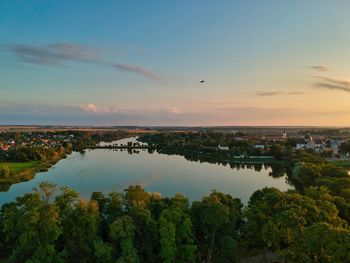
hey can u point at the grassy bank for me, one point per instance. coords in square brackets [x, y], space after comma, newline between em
[17, 168]
[256, 160]
[26, 170]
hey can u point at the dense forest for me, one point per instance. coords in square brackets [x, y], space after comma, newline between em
[54, 225]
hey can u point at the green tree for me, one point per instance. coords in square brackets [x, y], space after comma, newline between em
[81, 227]
[320, 243]
[5, 170]
[113, 206]
[175, 229]
[31, 226]
[216, 218]
[146, 233]
[122, 232]
[103, 252]
[275, 219]
[135, 196]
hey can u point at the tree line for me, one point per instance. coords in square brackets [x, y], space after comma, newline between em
[51, 225]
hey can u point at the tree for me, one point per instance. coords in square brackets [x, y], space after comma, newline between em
[320, 243]
[122, 232]
[216, 218]
[306, 173]
[5, 170]
[135, 196]
[275, 219]
[113, 206]
[278, 151]
[103, 252]
[146, 233]
[175, 229]
[345, 148]
[81, 227]
[31, 226]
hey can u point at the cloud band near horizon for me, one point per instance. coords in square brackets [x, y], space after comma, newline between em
[91, 114]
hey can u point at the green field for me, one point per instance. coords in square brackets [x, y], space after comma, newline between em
[342, 163]
[17, 168]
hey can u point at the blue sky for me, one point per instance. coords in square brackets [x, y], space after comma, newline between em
[140, 62]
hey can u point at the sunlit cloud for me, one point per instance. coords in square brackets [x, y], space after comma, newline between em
[90, 107]
[92, 114]
[62, 53]
[332, 84]
[320, 68]
[174, 110]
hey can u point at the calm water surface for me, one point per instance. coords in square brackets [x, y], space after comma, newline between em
[108, 170]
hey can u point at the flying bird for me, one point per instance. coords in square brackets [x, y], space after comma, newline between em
[202, 81]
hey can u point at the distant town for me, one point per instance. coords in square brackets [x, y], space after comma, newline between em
[330, 143]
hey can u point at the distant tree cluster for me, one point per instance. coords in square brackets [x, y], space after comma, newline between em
[208, 142]
[137, 226]
[32, 153]
[345, 148]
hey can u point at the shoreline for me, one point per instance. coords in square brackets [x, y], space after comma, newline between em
[28, 174]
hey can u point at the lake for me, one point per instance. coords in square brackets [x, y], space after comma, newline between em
[113, 170]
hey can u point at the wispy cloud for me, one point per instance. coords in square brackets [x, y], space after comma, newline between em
[275, 93]
[136, 69]
[269, 93]
[332, 84]
[321, 68]
[297, 93]
[54, 54]
[63, 53]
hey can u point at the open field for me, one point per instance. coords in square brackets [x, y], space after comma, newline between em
[25, 171]
[24, 128]
[17, 168]
[342, 163]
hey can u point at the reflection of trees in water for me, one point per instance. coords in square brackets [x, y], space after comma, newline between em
[277, 170]
[4, 187]
[133, 151]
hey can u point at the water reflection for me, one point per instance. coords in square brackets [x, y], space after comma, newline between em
[277, 169]
[109, 170]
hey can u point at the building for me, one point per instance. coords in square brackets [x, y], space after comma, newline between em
[335, 144]
[301, 144]
[284, 135]
[319, 145]
[224, 147]
[10, 142]
[309, 143]
[259, 146]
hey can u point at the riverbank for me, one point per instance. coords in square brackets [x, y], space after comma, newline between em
[20, 172]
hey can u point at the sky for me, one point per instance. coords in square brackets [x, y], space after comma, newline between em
[113, 62]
